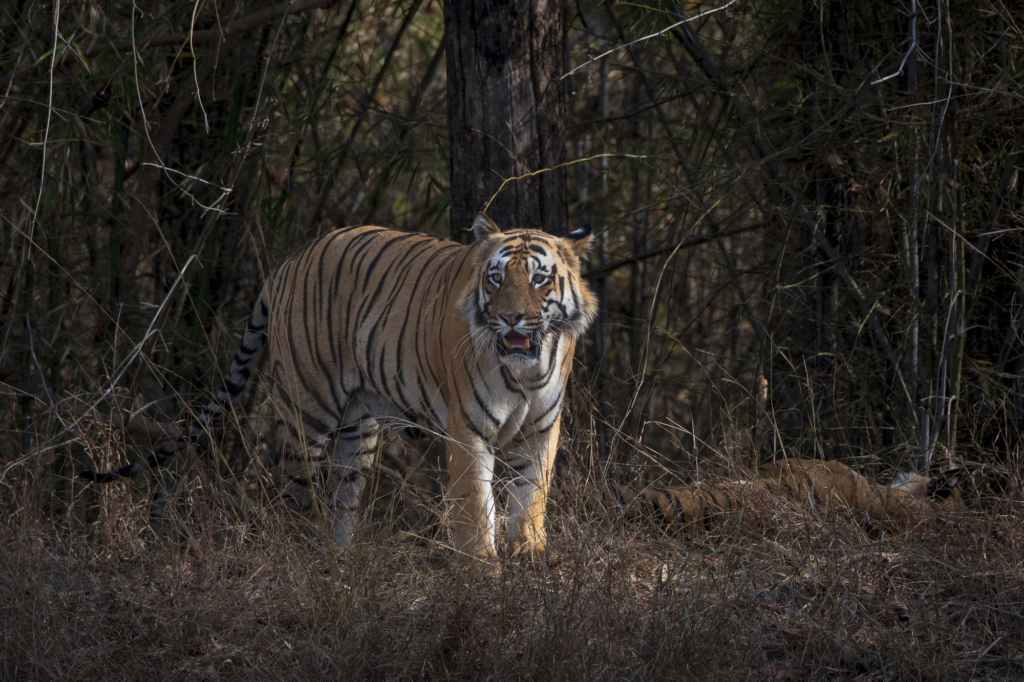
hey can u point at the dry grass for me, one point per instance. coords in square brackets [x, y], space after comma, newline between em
[204, 591]
[172, 581]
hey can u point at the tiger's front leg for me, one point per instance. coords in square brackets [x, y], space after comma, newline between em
[470, 472]
[532, 460]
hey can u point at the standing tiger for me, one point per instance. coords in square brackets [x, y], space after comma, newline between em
[476, 342]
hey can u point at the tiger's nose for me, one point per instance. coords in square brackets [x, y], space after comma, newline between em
[511, 319]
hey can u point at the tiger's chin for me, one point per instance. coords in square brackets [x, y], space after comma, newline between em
[517, 347]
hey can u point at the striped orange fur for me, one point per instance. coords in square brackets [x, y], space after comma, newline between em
[909, 503]
[368, 324]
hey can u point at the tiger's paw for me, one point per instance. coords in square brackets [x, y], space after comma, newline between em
[531, 549]
[535, 556]
[482, 562]
[476, 553]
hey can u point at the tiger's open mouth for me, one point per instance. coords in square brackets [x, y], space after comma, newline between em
[517, 343]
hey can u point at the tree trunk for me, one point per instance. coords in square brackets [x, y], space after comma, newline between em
[506, 113]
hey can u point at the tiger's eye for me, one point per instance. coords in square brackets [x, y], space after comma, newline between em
[538, 280]
[496, 279]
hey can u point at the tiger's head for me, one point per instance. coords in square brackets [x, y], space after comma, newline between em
[526, 289]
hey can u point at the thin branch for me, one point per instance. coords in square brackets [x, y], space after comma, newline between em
[49, 112]
[700, 55]
[913, 45]
[627, 116]
[365, 105]
[648, 37]
[514, 178]
[160, 141]
[687, 168]
[263, 78]
[695, 240]
[868, 309]
[408, 119]
[647, 341]
[144, 346]
[704, 60]
[985, 238]
[241, 25]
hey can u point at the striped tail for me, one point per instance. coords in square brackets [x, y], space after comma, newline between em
[253, 340]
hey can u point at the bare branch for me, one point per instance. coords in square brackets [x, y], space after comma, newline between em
[868, 309]
[648, 37]
[241, 25]
[910, 50]
[985, 238]
[695, 240]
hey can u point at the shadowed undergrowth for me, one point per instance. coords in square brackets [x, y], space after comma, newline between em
[808, 221]
[205, 591]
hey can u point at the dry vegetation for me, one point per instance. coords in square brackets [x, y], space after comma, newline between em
[205, 590]
[772, 210]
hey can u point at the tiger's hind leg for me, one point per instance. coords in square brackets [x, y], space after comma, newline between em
[299, 462]
[355, 449]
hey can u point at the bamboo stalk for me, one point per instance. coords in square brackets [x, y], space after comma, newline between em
[911, 240]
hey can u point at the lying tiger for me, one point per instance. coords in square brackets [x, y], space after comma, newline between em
[473, 342]
[908, 503]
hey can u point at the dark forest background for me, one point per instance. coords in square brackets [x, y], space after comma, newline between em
[809, 244]
[808, 214]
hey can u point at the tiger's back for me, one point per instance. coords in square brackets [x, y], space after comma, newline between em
[362, 313]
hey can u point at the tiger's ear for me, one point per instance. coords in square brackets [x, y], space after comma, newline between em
[944, 484]
[484, 227]
[580, 240]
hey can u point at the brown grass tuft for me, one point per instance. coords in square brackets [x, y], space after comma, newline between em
[208, 592]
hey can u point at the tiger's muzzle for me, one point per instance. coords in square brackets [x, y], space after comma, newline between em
[522, 344]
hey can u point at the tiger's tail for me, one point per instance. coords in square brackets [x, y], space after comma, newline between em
[249, 351]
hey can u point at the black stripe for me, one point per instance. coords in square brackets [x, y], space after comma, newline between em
[311, 392]
[483, 406]
[546, 377]
[380, 252]
[408, 310]
[507, 378]
[351, 475]
[362, 252]
[470, 424]
[326, 371]
[547, 428]
[343, 265]
[552, 406]
[708, 514]
[426, 400]
[519, 468]
[319, 428]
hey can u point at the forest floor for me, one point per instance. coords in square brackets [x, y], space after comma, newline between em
[208, 592]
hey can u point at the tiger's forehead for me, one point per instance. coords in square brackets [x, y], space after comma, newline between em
[535, 251]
